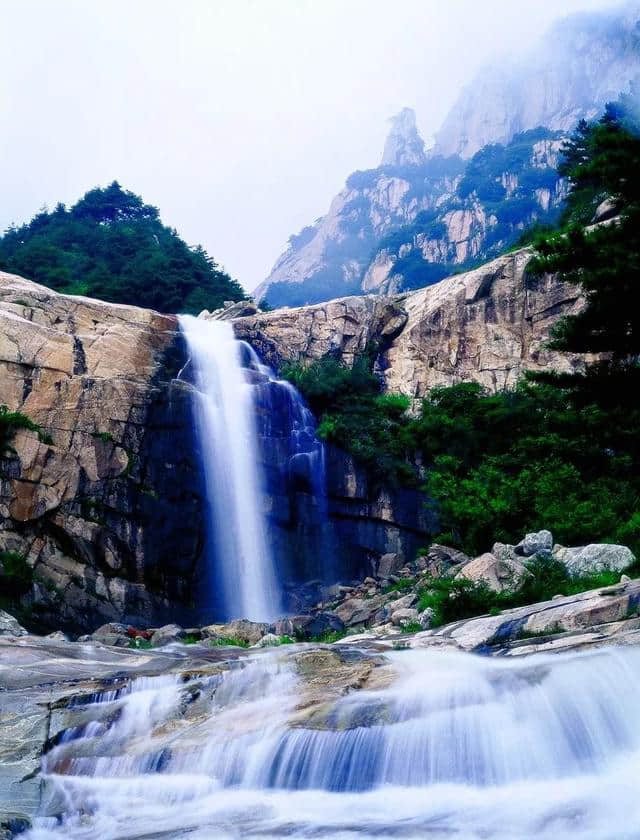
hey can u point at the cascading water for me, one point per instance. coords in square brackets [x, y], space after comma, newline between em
[236, 530]
[455, 746]
[257, 440]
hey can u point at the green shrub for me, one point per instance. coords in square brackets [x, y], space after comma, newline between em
[229, 642]
[354, 415]
[328, 637]
[16, 575]
[412, 627]
[453, 600]
[10, 422]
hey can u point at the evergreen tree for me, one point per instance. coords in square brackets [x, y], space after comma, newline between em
[602, 160]
[113, 246]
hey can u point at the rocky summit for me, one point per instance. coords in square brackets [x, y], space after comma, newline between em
[491, 174]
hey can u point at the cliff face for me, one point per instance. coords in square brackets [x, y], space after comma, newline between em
[95, 504]
[487, 325]
[106, 503]
[584, 61]
[415, 218]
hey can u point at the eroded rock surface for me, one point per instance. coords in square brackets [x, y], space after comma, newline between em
[488, 325]
[100, 501]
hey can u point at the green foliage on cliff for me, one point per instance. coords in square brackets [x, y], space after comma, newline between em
[355, 415]
[535, 457]
[508, 212]
[603, 161]
[10, 422]
[113, 246]
[16, 575]
[560, 451]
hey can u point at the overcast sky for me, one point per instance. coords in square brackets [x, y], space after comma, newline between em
[239, 119]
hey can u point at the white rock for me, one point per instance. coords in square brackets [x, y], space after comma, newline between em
[404, 617]
[534, 543]
[499, 575]
[595, 558]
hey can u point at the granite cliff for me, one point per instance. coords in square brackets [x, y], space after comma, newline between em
[91, 502]
[583, 61]
[487, 325]
[105, 501]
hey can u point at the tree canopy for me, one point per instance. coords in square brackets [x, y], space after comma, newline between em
[113, 246]
[602, 161]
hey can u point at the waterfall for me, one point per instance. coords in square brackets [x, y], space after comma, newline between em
[457, 745]
[238, 545]
[258, 449]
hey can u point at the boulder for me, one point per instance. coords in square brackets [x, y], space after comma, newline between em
[607, 209]
[426, 618]
[324, 622]
[506, 552]
[9, 626]
[402, 603]
[167, 634]
[404, 617]
[594, 558]
[357, 611]
[113, 634]
[57, 636]
[535, 543]
[389, 564]
[499, 575]
[242, 629]
[268, 640]
[440, 559]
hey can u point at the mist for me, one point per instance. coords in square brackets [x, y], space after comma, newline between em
[239, 119]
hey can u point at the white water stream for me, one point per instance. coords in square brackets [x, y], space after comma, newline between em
[236, 529]
[458, 746]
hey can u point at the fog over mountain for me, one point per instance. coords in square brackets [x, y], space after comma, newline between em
[238, 119]
[420, 215]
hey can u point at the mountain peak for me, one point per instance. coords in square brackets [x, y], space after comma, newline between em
[404, 146]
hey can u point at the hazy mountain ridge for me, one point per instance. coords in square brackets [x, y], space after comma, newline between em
[404, 226]
[584, 61]
[419, 215]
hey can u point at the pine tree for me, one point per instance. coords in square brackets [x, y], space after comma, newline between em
[602, 160]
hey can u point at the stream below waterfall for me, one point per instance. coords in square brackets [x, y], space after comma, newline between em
[453, 745]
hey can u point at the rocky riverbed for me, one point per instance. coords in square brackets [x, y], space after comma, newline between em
[53, 690]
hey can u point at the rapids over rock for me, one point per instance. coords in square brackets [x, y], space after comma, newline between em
[435, 744]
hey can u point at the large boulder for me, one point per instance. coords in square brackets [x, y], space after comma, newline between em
[441, 559]
[389, 564]
[404, 617]
[167, 634]
[357, 611]
[499, 575]
[9, 626]
[248, 632]
[594, 558]
[539, 542]
[600, 613]
[324, 622]
[113, 634]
